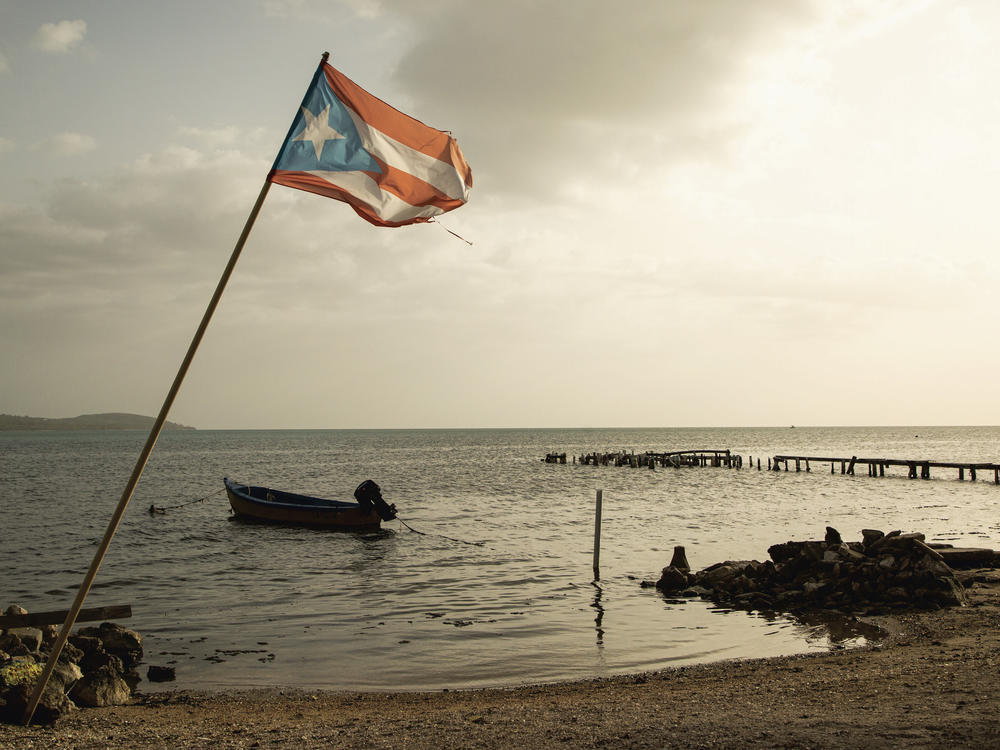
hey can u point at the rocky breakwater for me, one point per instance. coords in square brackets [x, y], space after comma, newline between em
[879, 573]
[97, 667]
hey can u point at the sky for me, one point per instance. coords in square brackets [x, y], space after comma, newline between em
[685, 213]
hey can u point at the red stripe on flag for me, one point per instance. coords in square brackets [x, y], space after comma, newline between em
[407, 130]
[411, 189]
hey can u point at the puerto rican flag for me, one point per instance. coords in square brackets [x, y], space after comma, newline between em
[349, 145]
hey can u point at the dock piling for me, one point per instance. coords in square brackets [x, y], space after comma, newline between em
[597, 535]
[877, 466]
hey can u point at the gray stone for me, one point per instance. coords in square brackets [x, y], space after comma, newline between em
[934, 565]
[64, 675]
[102, 687]
[94, 660]
[783, 552]
[15, 609]
[30, 637]
[118, 638]
[109, 639]
[52, 704]
[13, 646]
[719, 574]
[953, 593]
[871, 536]
[85, 643]
[71, 653]
[124, 643]
[815, 550]
[672, 579]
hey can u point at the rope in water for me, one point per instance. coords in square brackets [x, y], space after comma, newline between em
[160, 509]
[449, 538]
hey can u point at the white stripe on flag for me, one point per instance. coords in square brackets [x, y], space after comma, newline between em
[442, 175]
[386, 205]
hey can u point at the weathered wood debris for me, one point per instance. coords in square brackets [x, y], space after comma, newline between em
[879, 573]
[97, 667]
[651, 459]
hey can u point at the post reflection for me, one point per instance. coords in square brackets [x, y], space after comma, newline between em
[599, 620]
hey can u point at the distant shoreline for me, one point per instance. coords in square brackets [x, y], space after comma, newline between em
[107, 421]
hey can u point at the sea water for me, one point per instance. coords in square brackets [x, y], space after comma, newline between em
[496, 589]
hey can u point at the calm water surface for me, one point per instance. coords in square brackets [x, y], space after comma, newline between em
[498, 590]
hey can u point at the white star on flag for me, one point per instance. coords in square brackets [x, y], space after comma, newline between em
[317, 130]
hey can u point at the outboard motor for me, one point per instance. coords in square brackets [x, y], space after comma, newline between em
[369, 497]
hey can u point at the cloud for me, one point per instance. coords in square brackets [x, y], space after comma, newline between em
[314, 9]
[531, 89]
[214, 137]
[6, 145]
[860, 19]
[644, 175]
[123, 263]
[66, 144]
[155, 224]
[4, 63]
[227, 137]
[61, 37]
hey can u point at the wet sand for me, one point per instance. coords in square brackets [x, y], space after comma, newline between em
[934, 682]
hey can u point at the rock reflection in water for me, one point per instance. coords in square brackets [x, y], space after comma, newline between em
[823, 627]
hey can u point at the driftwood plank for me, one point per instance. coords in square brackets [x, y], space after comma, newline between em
[59, 617]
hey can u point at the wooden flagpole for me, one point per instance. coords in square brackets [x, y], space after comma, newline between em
[140, 464]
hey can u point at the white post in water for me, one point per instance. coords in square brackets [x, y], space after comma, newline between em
[597, 536]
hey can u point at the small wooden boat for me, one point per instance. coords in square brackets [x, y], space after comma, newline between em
[277, 506]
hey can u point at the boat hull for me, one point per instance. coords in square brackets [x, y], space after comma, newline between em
[275, 506]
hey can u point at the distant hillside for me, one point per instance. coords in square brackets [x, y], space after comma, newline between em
[85, 422]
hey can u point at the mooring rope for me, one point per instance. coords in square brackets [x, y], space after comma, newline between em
[161, 509]
[449, 538]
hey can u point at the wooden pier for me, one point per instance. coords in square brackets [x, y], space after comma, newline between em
[877, 466]
[717, 457]
[723, 457]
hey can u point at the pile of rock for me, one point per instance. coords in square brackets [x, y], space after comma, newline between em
[97, 667]
[883, 571]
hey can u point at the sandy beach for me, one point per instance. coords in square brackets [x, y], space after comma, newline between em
[933, 682]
